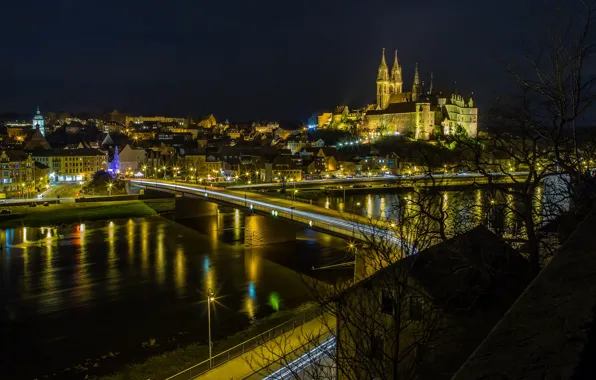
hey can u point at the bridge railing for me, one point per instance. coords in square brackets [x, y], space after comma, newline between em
[339, 226]
[252, 343]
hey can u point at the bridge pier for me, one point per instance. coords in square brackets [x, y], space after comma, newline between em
[187, 207]
[263, 230]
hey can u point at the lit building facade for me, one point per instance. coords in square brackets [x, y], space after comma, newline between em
[207, 121]
[130, 120]
[420, 113]
[131, 158]
[71, 165]
[17, 173]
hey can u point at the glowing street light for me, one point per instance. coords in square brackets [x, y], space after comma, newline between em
[210, 298]
[110, 188]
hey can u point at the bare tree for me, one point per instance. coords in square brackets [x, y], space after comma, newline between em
[532, 141]
[386, 324]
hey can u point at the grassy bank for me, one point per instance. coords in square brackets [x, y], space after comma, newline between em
[82, 212]
[172, 362]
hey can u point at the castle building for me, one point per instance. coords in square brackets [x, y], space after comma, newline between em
[39, 122]
[421, 113]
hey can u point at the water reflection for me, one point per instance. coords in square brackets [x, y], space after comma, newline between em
[180, 271]
[210, 279]
[130, 235]
[460, 210]
[160, 264]
[144, 249]
[61, 281]
[112, 260]
[82, 279]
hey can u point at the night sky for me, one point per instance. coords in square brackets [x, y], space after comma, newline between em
[247, 60]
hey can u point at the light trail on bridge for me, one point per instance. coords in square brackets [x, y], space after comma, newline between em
[350, 227]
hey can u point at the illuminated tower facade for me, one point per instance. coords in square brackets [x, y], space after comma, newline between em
[383, 93]
[39, 122]
[396, 82]
[416, 87]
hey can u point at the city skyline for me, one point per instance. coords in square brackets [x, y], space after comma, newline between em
[263, 62]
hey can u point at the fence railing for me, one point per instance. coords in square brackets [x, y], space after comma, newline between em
[339, 226]
[254, 342]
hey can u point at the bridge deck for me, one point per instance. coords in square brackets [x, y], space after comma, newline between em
[344, 224]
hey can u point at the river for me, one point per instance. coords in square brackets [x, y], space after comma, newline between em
[87, 298]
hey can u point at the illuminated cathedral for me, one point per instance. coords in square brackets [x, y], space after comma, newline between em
[421, 113]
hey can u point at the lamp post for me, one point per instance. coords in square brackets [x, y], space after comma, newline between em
[210, 298]
[110, 189]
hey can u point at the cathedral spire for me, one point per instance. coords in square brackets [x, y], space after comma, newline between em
[430, 89]
[383, 84]
[416, 88]
[383, 70]
[38, 110]
[416, 77]
[396, 82]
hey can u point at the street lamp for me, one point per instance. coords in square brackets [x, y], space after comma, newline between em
[110, 188]
[210, 298]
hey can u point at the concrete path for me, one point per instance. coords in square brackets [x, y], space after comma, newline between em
[262, 356]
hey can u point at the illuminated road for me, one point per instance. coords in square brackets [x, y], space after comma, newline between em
[346, 225]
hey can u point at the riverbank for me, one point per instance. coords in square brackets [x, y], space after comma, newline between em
[68, 213]
[172, 362]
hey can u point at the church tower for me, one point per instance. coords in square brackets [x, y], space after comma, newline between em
[396, 82]
[416, 87]
[383, 84]
[38, 122]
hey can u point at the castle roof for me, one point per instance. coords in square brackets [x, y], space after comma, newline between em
[403, 107]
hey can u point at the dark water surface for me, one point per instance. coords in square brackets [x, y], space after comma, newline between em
[84, 298]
